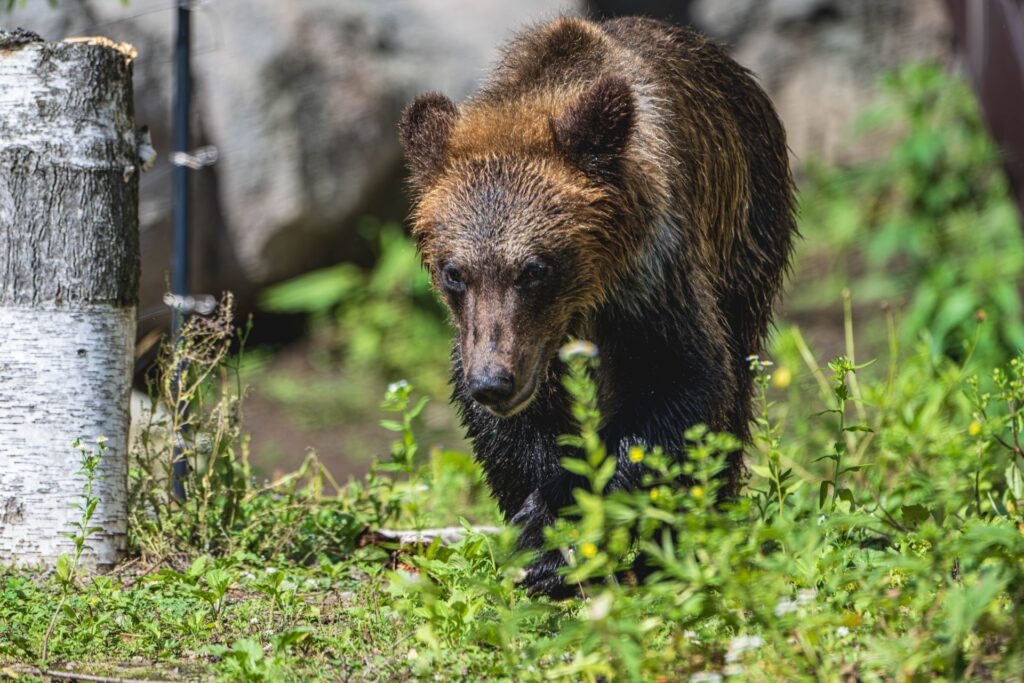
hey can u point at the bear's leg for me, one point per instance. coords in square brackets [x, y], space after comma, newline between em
[540, 510]
[648, 424]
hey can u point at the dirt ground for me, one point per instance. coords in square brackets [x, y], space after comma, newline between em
[292, 407]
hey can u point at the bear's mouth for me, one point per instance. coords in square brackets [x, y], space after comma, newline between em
[525, 397]
[517, 404]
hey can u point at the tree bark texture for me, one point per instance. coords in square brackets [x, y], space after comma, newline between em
[69, 273]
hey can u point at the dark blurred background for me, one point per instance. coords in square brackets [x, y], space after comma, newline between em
[904, 197]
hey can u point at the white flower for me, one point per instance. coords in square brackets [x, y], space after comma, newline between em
[395, 386]
[741, 644]
[842, 631]
[803, 596]
[706, 677]
[821, 520]
[785, 606]
[600, 606]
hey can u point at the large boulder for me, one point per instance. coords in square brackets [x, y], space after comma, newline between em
[300, 100]
[820, 60]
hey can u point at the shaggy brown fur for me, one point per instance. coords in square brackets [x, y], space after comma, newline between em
[625, 182]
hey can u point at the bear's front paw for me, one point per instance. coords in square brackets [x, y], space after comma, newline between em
[543, 578]
[531, 519]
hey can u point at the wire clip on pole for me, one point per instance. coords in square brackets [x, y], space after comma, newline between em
[204, 156]
[202, 304]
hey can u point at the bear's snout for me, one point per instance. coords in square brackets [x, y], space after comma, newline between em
[492, 387]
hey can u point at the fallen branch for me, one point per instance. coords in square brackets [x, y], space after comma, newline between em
[72, 676]
[448, 535]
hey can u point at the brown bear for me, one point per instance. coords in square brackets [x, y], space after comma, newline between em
[624, 182]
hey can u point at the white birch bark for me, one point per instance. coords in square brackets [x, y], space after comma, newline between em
[69, 269]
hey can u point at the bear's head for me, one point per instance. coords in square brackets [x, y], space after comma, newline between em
[515, 219]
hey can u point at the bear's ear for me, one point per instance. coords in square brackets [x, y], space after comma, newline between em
[593, 133]
[424, 129]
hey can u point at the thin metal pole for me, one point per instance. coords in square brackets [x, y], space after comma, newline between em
[179, 257]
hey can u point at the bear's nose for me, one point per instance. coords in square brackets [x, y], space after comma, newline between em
[492, 387]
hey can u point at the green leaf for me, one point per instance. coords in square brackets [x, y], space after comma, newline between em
[287, 639]
[912, 515]
[964, 605]
[858, 428]
[1015, 480]
[218, 580]
[315, 292]
[577, 466]
[418, 408]
[822, 494]
[604, 473]
[571, 440]
[248, 650]
[64, 568]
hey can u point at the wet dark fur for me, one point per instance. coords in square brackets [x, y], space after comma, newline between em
[681, 219]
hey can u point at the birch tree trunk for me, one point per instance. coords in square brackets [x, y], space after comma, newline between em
[69, 272]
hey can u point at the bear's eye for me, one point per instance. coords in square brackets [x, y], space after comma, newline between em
[451, 278]
[534, 273]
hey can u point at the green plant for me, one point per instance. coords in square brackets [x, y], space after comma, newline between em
[781, 481]
[915, 574]
[67, 565]
[931, 223]
[998, 426]
[193, 415]
[246, 659]
[840, 367]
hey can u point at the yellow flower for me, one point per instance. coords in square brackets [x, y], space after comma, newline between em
[636, 454]
[974, 428]
[697, 492]
[781, 378]
[588, 549]
[654, 494]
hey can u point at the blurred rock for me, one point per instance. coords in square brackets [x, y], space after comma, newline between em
[821, 59]
[301, 100]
